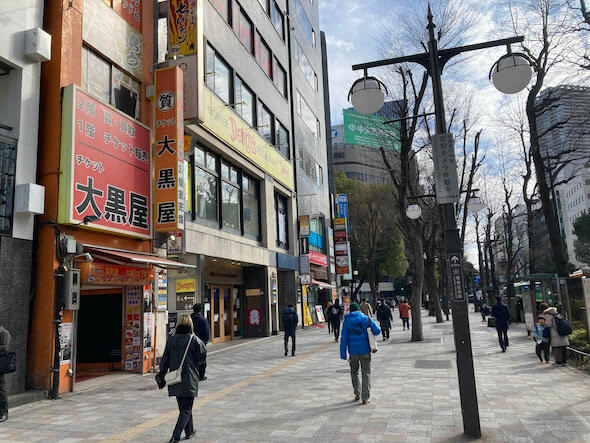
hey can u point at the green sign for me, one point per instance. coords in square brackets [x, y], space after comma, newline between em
[370, 131]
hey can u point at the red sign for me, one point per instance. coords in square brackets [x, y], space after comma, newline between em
[169, 152]
[318, 259]
[105, 167]
[130, 10]
[106, 273]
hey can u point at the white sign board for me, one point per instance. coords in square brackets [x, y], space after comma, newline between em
[445, 169]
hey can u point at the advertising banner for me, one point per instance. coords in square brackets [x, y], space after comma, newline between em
[185, 294]
[65, 343]
[111, 35]
[182, 27]
[111, 274]
[169, 151]
[226, 124]
[341, 244]
[370, 131]
[304, 229]
[163, 290]
[445, 169]
[133, 337]
[318, 259]
[105, 167]
[130, 10]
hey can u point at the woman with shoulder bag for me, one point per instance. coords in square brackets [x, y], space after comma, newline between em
[184, 351]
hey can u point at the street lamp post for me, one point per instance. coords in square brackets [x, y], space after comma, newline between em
[509, 74]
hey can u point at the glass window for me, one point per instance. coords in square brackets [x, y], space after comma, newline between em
[206, 188]
[244, 102]
[96, 76]
[251, 207]
[199, 156]
[218, 75]
[243, 27]
[305, 23]
[7, 173]
[282, 140]
[319, 178]
[307, 115]
[230, 197]
[264, 4]
[277, 19]
[126, 93]
[280, 77]
[282, 221]
[265, 123]
[222, 8]
[305, 65]
[262, 52]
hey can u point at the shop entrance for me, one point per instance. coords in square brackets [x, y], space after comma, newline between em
[221, 314]
[99, 333]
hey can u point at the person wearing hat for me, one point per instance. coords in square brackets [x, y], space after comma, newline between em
[355, 341]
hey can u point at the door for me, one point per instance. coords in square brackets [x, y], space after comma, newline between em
[222, 313]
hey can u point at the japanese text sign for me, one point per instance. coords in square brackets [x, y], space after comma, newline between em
[107, 273]
[318, 259]
[456, 271]
[130, 10]
[182, 27]
[445, 169]
[370, 131]
[168, 150]
[105, 167]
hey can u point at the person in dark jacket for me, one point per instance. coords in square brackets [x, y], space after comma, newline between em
[185, 391]
[502, 315]
[4, 344]
[290, 320]
[203, 331]
[385, 317]
[336, 314]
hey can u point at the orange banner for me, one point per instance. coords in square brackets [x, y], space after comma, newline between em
[110, 274]
[169, 152]
[182, 27]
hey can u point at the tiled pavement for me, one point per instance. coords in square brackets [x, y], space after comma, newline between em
[255, 394]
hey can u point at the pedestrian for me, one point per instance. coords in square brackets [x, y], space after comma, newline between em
[404, 313]
[485, 311]
[385, 318]
[336, 314]
[290, 320]
[183, 348]
[355, 340]
[203, 331]
[501, 313]
[4, 344]
[366, 308]
[559, 343]
[328, 316]
[542, 337]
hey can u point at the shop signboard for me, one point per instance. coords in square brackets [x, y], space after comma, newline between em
[304, 245]
[304, 229]
[111, 35]
[163, 290]
[253, 292]
[274, 289]
[168, 150]
[370, 131]
[130, 10]
[341, 244]
[185, 294]
[182, 26]
[111, 274]
[105, 167]
[306, 279]
[192, 67]
[320, 313]
[65, 343]
[318, 259]
[229, 127]
[133, 337]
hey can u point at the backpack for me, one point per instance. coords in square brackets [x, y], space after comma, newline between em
[288, 320]
[562, 326]
[547, 333]
[335, 311]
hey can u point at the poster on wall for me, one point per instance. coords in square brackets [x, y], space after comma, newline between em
[147, 331]
[163, 290]
[320, 313]
[133, 337]
[185, 294]
[65, 343]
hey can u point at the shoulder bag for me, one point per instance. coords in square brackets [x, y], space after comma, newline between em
[7, 362]
[372, 339]
[174, 377]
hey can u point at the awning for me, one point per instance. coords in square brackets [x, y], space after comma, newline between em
[116, 256]
[322, 284]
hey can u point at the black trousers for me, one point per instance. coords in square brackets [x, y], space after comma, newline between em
[336, 328]
[406, 322]
[185, 417]
[502, 337]
[3, 395]
[292, 335]
[542, 350]
[202, 368]
[385, 329]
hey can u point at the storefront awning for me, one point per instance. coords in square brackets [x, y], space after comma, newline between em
[322, 284]
[132, 257]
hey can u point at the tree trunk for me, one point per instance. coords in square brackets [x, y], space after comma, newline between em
[429, 276]
[417, 334]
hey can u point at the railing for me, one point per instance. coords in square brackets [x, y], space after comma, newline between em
[582, 359]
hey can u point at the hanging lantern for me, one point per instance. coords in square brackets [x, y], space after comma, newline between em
[414, 212]
[511, 73]
[367, 95]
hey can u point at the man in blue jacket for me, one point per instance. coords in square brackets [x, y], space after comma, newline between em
[502, 315]
[290, 320]
[355, 339]
[203, 331]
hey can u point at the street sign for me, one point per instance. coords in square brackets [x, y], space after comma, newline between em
[304, 245]
[445, 169]
[305, 279]
[456, 270]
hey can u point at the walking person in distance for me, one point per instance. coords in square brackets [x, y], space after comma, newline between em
[4, 344]
[355, 341]
[502, 315]
[290, 320]
[404, 314]
[183, 352]
[366, 308]
[336, 313]
[328, 316]
[385, 318]
[203, 331]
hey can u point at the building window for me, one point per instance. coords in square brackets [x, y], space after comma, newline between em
[282, 221]
[206, 187]
[262, 52]
[222, 7]
[7, 172]
[316, 237]
[307, 115]
[244, 102]
[230, 197]
[305, 23]
[280, 78]
[265, 123]
[109, 84]
[277, 19]
[243, 27]
[282, 140]
[218, 75]
[319, 177]
[251, 203]
[264, 4]
[305, 65]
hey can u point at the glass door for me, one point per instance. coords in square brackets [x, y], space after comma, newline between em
[222, 313]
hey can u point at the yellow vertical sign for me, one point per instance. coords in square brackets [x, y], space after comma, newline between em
[182, 27]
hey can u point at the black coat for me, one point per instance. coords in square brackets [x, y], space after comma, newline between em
[201, 327]
[335, 317]
[175, 347]
[384, 316]
[502, 315]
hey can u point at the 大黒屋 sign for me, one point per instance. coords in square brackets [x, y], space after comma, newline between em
[105, 167]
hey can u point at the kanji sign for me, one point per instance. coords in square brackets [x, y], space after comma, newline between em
[456, 271]
[182, 27]
[106, 273]
[130, 10]
[370, 131]
[169, 151]
[445, 169]
[105, 167]
[342, 246]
